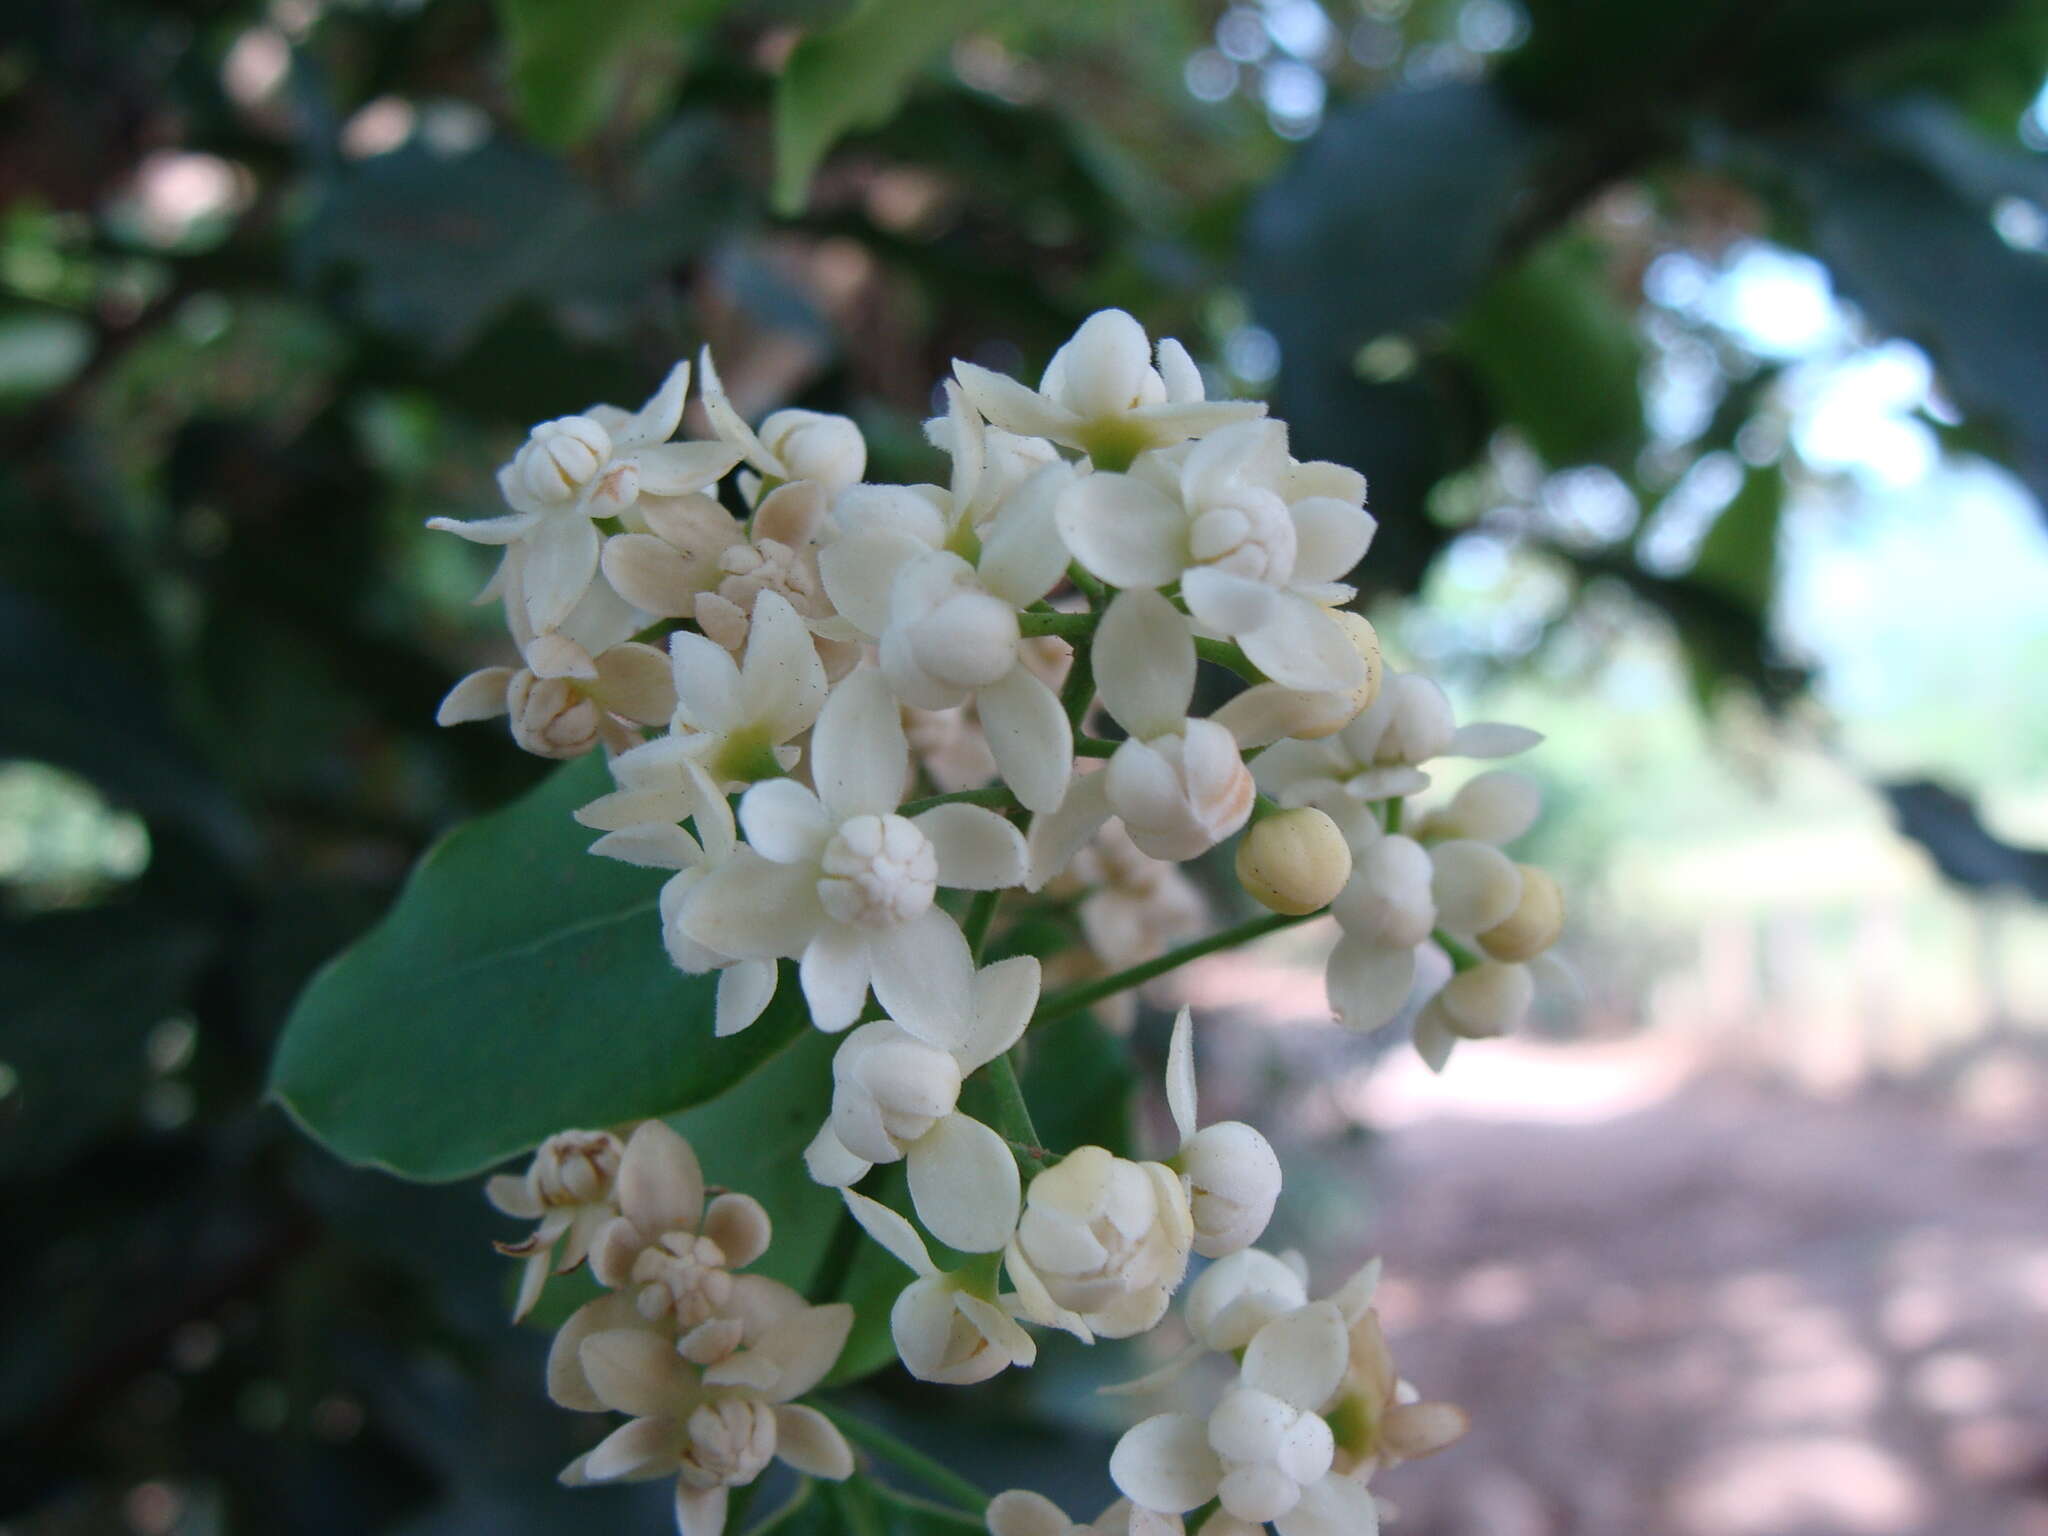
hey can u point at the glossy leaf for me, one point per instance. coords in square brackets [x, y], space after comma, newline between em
[518, 987]
[1739, 556]
[573, 66]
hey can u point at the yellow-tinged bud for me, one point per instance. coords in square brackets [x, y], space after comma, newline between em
[1535, 923]
[1294, 862]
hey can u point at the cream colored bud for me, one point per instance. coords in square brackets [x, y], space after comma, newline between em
[1294, 862]
[1535, 923]
[1488, 1000]
[816, 446]
[560, 458]
[1233, 1184]
[551, 717]
[731, 1442]
[1366, 641]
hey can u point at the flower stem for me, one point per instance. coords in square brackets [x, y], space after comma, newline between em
[933, 1474]
[1095, 746]
[1079, 691]
[1086, 585]
[1392, 818]
[1074, 999]
[1225, 654]
[995, 795]
[1068, 626]
[1462, 959]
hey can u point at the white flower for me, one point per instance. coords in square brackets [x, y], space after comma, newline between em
[792, 445]
[665, 790]
[948, 1328]
[836, 877]
[713, 1432]
[1384, 912]
[1102, 394]
[1266, 1451]
[1180, 785]
[737, 721]
[568, 1188]
[671, 552]
[1019, 1512]
[1380, 1418]
[1379, 755]
[1487, 1000]
[1102, 1245]
[894, 1096]
[669, 1249]
[580, 468]
[780, 555]
[1256, 560]
[581, 685]
[947, 625]
[1232, 1174]
[1242, 1292]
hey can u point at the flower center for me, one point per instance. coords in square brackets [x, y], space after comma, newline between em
[1251, 537]
[561, 457]
[878, 871]
[731, 1442]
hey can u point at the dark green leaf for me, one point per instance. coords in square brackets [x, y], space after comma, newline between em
[1963, 848]
[573, 68]
[1559, 355]
[1739, 556]
[854, 75]
[1900, 201]
[517, 988]
[1078, 1082]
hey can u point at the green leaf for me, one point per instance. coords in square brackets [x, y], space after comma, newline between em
[854, 75]
[574, 66]
[1559, 354]
[1078, 1082]
[518, 987]
[1372, 241]
[1739, 556]
[1900, 201]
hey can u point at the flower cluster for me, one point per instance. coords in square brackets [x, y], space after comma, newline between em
[888, 729]
[706, 1362]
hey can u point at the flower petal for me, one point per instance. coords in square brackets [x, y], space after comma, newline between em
[1057, 837]
[1303, 646]
[740, 1226]
[812, 1443]
[657, 420]
[1165, 1464]
[640, 1448]
[1336, 1506]
[487, 530]
[977, 849]
[859, 571]
[1368, 984]
[923, 974]
[661, 1186]
[1030, 736]
[479, 696]
[753, 908]
[1128, 533]
[1010, 405]
[701, 1511]
[1226, 602]
[1330, 537]
[782, 683]
[675, 469]
[964, 1184]
[805, 1347]
[632, 1370]
[1300, 1358]
[1021, 1513]
[1475, 885]
[1491, 738]
[634, 680]
[1004, 996]
[651, 574]
[561, 559]
[859, 757]
[893, 1232]
[567, 1385]
[784, 822]
[707, 682]
[1180, 1074]
[1022, 557]
[834, 973]
[744, 991]
[1144, 664]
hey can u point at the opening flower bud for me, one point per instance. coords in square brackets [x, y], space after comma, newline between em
[816, 446]
[561, 457]
[969, 640]
[1233, 1183]
[1294, 862]
[1535, 923]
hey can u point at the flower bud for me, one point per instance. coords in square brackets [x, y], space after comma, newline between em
[731, 1442]
[969, 639]
[1182, 793]
[1535, 923]
[1270, 1450]
[1488, 1000]
[560, 458]
[816, 446]
[1233, 1184]
[551, 717]
[889, 1089]
[1238, 1295]
[1420, 724]
[1294, 862]
[1106, 1238]
[575, 1168]
[1388, 900]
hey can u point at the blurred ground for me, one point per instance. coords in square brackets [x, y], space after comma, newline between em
[1682, 1293]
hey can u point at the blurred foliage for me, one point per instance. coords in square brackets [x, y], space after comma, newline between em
[279, 281]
